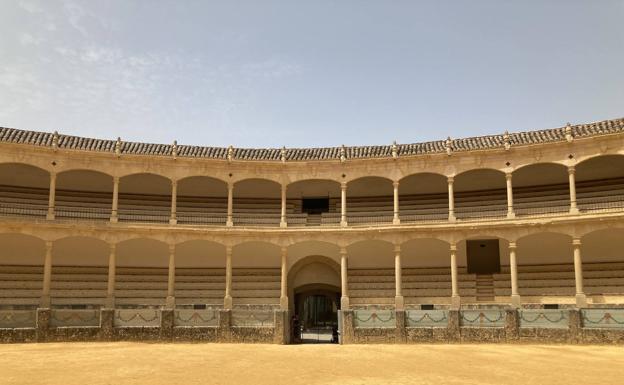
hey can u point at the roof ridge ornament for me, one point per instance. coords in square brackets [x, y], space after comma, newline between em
[118, 147]
[395, 150]
[568, 133]
[283, 154]
[174, 150]
[506, 140]
[449, 146]
[343, 154]
[230, 153]
[55, 141]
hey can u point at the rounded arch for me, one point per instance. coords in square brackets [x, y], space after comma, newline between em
[21, 249]
[84, 180]
[600, 167]
[202, 186]
[314, 270]
[313, 188]
[366, 254]
[539, 174]
[543, 248]
[300, 250]
[479, 179]
[367, 186]
[423, 183]
[256, 254]
[24, 175]
[145, 183]
[200, 253]
[257, 188]
[142, 252]
[425, 252]
[604, 245]
[80, 251]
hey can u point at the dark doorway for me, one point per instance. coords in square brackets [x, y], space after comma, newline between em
[483, 256]
[315, 205]
[317, 315]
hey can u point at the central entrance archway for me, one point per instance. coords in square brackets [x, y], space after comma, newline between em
[315, 293]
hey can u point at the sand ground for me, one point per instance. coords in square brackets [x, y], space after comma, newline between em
[123, 363]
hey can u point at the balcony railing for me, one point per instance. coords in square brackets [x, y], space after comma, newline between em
[196, 216]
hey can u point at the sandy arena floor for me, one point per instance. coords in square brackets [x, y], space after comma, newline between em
[187, 364]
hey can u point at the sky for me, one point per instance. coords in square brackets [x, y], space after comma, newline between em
[308, 73]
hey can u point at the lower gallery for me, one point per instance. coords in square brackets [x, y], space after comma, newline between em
[508, 238]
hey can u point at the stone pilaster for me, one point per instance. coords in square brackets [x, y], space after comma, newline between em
[107, 324]
[166, 324]
[348, 334]
[512, 326]
[281, 326]
[400, 336]
[43, 324]
[224, 333]
[453, 331]
[576, 326]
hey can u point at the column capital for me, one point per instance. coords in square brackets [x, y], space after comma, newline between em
[116, 179]
[397, 249]
[576, 241]
[343, 251]
[172, 248]
[230, 185]
[450, 179]
[453, 248]
[113, 247]
[512, 245]
[174, 182]
[48, 245]
[571, 169]
[508, 175]
[343, 185]
[395, 184]
[53, 174]
[284, 251]
[228, 250]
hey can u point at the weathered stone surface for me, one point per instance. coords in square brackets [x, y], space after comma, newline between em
[347, 327]
[195, 334]
[281, 332]
[512, 325]
[251, 334]
[400, 334]
[601, 336]
[43, 324]
[453, 328]
[225, 322]
[107, 326]
[477, 334]
[543, 335]
[374, 335]
[166, 324]
[137, 333]
[18, 335]
[575, 325]
[73, 334]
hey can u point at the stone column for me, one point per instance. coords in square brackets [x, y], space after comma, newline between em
[47, 276]
[230, 220]
[571, 179]
[227, 301]
[399, 302]
[114, 211]
[174, 202]
[344, 299]
[510, 210]
[51, 196]
[513, 269]
[283, 221]
[581, 299]
[284, 285]
[110, 290]
[455, 299]
[171, 279]
[343, 204]
[396, 218]
[451, 199]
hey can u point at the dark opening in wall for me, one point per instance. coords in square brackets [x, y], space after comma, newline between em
[315, 205]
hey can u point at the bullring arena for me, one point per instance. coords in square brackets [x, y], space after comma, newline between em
[510, 238]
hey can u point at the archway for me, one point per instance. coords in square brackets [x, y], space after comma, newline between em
[314, 283]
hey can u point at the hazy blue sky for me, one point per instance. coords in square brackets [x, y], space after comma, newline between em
[308, 73]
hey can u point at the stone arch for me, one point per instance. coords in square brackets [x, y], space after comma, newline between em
[199, 253]
[80, 251]
[142, 252]
[21, 249]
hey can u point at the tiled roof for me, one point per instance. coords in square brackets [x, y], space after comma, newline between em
[12, 135]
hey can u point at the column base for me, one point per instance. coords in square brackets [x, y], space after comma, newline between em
[170, 302]
[511, 215]
[114, 219]
[455, 302]
[50, 216]
[283, 224]
[396, 221]
[399, 302]
[515, 301]
[344, 303]
[574, 210]
[283, 303]
[343, 224]
[229, 224]
[173, 221]
[227, 302]
[581, 300]
[452, 218]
